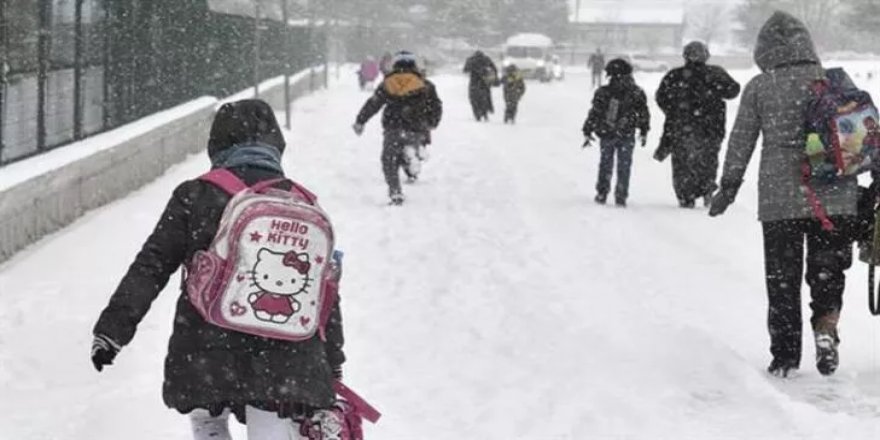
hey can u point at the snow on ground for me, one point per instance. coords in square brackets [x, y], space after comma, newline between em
[499, 303]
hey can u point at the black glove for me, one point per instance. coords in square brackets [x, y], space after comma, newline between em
[588, 142]
[104, 350]
[337, 372]
[643, 139]
[724, 197]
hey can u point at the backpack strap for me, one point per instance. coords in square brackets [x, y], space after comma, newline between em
[818, 210]
[232, 184]
[225, 180]
[308, 195]
[363, 408]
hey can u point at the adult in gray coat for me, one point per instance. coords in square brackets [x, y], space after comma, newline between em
[772, 106]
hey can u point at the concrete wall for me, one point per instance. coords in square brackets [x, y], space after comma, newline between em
[43, 194]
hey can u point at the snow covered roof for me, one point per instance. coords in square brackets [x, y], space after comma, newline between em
[268, 9]
[644, 12]
[530, 40]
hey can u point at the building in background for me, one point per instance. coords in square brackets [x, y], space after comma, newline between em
[634, 26]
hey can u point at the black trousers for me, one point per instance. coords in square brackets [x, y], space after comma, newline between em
[394, 155]
[829, 255]
[510, 110]
[695, 167]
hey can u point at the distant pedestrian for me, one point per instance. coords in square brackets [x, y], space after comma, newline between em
[596, 64]
[514, 87]
[619, 109]
[692, 97]
[483, 76]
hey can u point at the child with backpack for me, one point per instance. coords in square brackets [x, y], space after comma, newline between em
[819, 132]
[258, 329]
[514, 87]
[619, 109]
[412, 111]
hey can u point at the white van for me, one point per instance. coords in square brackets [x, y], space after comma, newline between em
[530, 53]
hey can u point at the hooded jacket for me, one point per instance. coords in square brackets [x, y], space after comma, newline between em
[410, 101]
[773, 107]
[207, 366]
[631, 111]
[692, 97]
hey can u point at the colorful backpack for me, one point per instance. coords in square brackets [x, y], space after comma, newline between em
[344, 421]
[843, 135]
[269, 270]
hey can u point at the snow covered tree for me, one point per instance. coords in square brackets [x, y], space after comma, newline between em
[707, 22]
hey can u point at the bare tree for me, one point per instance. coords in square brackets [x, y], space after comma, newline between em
[707, 22]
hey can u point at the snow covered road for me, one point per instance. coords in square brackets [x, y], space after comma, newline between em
[499, 303]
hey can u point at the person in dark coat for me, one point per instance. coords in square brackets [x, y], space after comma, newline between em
[693, 99]
[596, 64]
[514, 87]
[483, 76]
[772, 107]
[211, 371]
[619, 109]
[412, 110]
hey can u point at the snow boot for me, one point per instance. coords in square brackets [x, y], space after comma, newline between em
[412, 164]
[601, 199]
[687, 204]
[620, 202]
[825, 333]
[396, 199]
[782, 368]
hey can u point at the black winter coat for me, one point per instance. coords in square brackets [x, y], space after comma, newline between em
[631, 112]
[692, 97]
[410, 101]
[514, 86]
[207, 366]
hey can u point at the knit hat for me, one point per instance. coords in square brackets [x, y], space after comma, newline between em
[696, 52]
[618, 67]
[241, 122]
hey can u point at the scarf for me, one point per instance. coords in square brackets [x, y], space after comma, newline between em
[254, 154]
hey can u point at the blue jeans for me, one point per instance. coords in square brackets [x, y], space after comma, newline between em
[624, 149]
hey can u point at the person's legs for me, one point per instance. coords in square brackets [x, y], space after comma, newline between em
[606, 168]
[266, 425]
[829, 255]
[391, 161]
[624, 149]
[680, 177]
[207, 427]
[783, 269]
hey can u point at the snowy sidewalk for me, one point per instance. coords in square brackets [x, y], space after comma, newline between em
[498, 303]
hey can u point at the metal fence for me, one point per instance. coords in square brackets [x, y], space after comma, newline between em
[73, 68]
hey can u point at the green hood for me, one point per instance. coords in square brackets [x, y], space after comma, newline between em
[784, 40]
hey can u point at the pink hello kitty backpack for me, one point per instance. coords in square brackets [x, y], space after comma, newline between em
[268, 271]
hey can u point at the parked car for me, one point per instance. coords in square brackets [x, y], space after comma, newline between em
[647, 63]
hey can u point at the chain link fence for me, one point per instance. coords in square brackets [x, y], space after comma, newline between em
[73, 68]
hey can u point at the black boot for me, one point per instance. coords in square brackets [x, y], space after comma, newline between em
[782, 368]
[601, 198]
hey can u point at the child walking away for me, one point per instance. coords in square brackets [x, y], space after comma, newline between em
[514, 89]
[619, 109]
[775, 106]
[412, 110]
[257, 330]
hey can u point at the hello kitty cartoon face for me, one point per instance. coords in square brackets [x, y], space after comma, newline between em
[282, 273]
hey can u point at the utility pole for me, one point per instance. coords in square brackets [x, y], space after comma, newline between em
[257, 49]
[78, 72]
[45, 19]
[285, 17]
[4, 66]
